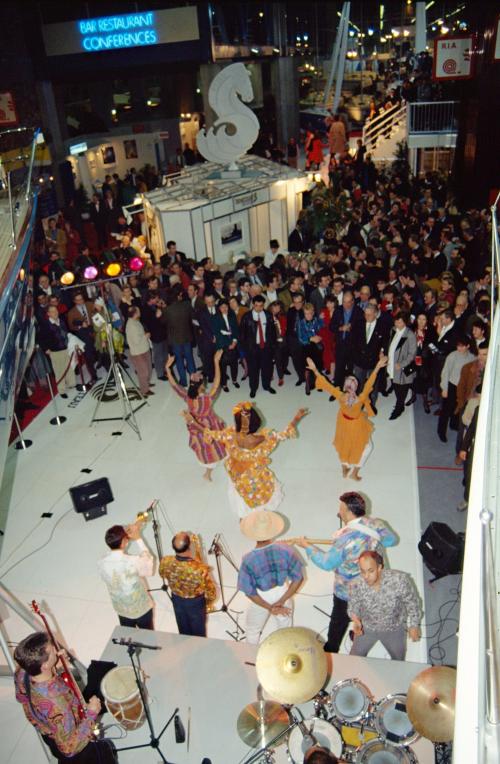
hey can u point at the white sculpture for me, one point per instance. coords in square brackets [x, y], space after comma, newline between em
[237, 127]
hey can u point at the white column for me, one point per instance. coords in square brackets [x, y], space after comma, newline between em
[84, 172]
[420, 28]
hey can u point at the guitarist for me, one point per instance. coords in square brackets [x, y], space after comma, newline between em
[53, 708]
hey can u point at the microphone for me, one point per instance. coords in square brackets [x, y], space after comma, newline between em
[129, 643]
[215, 544]
[180, 733]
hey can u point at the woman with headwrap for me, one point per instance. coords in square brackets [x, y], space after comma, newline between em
[252, 485]
[353, 432]
[200, 415]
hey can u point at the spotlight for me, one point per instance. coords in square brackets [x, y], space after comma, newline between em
[444, 30]
[136, 263]
[67, 278]
[113, 269]
[90, 273]
[370, 32]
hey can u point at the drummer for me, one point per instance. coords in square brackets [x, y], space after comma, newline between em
[383, 605]
[319, 755]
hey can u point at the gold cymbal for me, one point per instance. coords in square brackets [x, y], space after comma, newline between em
[260, 722]
[430, 703]
[291, 665]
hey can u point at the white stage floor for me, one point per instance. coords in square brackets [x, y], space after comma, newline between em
[56, 557]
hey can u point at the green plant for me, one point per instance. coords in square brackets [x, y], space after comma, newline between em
[401, 165]
[326, 211]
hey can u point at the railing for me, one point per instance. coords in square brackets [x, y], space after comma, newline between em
[382, 125]
[432, 117]
[17, 184]
[477, 709]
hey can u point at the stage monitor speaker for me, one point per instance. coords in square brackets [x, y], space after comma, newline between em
[442, 549]
[91, 499]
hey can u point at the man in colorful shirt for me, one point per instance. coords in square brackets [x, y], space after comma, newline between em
[190, 583]
[52, 708]
[123, 575]
[269, 575]
[359, 533]
[383, 605]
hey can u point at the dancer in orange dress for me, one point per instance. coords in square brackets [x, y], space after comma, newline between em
[354, 429]
[252, 484]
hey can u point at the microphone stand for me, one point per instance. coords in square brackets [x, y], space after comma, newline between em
[133, 651]
[159, 547]
[219, 552]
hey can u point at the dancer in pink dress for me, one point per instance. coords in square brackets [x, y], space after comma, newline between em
[199, 404]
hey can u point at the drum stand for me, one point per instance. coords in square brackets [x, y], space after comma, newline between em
[133, 649]
[216, 548]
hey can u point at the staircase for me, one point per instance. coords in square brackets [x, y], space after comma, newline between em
[382, 134]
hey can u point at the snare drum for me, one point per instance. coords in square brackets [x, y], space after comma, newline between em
[379, 752]
[391, 720]
[351, 701]
[324, 734]
[122, 696]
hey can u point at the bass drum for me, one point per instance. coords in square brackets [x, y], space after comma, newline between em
[392, 722]
[350, 701]
[324, 733]
[380, 752]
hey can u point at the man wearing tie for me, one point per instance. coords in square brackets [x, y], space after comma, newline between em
[319, 295]
[98, 218]
[344, 323]
[207, 318]
[253, 275]
[257, 336]
[369, 340]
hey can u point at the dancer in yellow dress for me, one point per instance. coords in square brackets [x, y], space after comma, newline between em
[252, 484]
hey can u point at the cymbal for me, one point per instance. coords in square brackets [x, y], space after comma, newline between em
[291, 665]
[430, 703]
[260, 722]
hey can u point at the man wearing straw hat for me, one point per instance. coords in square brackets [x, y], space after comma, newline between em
[269, 575]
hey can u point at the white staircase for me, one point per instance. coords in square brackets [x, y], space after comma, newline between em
[382, 134]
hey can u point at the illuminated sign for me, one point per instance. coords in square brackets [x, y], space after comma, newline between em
[78, 148]
[114, 32]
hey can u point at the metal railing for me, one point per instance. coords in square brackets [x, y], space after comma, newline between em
[433, 117]
[382, 125]
[17, 186]
[477, 709]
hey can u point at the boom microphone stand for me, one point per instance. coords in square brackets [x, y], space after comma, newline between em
[133, 649]
[217, 549]
[151, 510]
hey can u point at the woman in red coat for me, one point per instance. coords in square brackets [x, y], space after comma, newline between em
[315, 155]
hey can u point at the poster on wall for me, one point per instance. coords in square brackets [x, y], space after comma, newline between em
[230, 237]
[231, 233]
[130, 147]
[108, 155]
[453, 58]
[8, 114]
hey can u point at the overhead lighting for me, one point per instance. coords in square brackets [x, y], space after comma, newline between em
[429, 5]
[382, 39]
[306, 37]
[370, 32]
[254, 50]
[406, 33]
[434, 28]
[276, 50]
[198, 91]
[395, 32]
[351, 33]
[261, 14]
[113, 112]
[444, 30]
[440, 22]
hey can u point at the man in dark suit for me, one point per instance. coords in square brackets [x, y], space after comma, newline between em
[369, 340]
[445, 343]
[258, 336]
[296, 241]
[178, 317]
[206, 318]
[345, 323]
[295, 313]
[319, 295]
[98, 217]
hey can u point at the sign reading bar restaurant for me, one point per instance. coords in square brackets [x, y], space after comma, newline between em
[130, 30]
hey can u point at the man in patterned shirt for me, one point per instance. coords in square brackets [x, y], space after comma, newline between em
[358, 534]
[52, 708]
[123, 574]
[269, 575]
[190, 583]
[383, 605]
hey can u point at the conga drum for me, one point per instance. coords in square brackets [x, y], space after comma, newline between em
[122, 697]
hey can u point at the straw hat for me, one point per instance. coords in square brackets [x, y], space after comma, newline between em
[262, 525]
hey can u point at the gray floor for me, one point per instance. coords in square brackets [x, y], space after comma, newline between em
[440, 488]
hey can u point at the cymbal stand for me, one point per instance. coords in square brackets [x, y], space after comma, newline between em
[133, 651]
[265, 754]
[218, 550]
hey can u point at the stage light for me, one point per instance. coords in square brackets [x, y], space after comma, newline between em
[113, 269]
[370, 32]
[90, 272]
[67, 278]
[136, 264]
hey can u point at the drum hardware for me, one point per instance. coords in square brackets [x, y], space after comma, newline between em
[431, 703]
[219, 551]
[291, 665]
[392, 721]
[133, 651]
[261, 722]
[321, 703]
[310, 732]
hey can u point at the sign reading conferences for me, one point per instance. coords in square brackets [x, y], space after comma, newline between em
[113, 32]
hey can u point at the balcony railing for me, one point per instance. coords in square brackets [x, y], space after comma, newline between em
[432, 117]
[477, 720]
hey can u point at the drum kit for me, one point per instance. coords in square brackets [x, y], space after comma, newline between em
[292, 668]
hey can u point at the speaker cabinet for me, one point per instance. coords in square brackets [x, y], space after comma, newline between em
[91, 499]
[442, 549]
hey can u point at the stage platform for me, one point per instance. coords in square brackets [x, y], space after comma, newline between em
[216, 679]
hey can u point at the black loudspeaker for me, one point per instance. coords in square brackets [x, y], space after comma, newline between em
[91, 498]
[442, 549]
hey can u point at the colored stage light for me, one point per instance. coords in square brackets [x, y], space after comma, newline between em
[90, 272]
[113, 269]
[136, 263]
[67, 278]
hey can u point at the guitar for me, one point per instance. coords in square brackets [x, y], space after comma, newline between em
[65, 674]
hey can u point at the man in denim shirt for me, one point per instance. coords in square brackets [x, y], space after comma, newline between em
[359, 533]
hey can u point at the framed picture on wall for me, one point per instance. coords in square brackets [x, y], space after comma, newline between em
[231, 234]
[130, 147]
[108, 155]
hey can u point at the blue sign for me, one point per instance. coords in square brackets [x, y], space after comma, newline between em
[114, 32]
